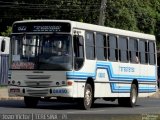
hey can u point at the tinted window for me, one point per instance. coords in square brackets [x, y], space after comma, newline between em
[113, 48]
[151, 53]
[101, 50]
[133, 50]
[143, 51]
[78, 51]
[123, 53]
[90, 45]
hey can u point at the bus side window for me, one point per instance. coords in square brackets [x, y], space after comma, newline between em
[133, 50]
[113, 48]
[90, 45]
[101, 49]
[78, 51]
[143, 52]
[123, 47]
[3, 45]
[152, 59]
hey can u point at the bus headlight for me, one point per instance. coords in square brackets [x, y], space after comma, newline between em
[19, 83]
[57, 83]
[13, 82]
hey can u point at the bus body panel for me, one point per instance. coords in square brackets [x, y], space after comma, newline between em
[39, 78]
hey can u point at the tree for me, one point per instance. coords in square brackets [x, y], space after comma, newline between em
[7, 32]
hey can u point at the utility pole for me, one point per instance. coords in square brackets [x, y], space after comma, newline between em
[102, 12]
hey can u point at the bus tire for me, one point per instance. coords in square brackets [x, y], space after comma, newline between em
[31, 102]
[130, 101]
[86, 102]
[133, 96]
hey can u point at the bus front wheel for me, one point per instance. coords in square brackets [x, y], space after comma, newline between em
[31, 102]
[86, 102]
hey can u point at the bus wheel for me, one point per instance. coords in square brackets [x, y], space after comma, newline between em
[133, 96]
[86, 102]
[131, 101]
[31, 102]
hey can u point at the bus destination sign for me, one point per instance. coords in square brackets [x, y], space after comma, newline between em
[47, 28]
[41, 27]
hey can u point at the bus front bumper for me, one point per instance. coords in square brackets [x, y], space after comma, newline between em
[63, 91]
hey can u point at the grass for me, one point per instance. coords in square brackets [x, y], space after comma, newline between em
[3, 86]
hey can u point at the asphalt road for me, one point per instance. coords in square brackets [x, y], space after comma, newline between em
[146, 107]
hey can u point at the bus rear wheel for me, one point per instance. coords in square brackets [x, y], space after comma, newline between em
[31, 102]
[130, 101]
[86, 102]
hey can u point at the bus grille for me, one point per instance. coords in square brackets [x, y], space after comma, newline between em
[38, 84]
[39, 93]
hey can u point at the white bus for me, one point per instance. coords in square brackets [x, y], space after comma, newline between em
[4, 59]
[71, 60]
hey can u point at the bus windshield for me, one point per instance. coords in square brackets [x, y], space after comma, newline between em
[41, 52]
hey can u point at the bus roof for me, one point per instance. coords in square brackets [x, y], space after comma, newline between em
[98, 28]
[4, 37]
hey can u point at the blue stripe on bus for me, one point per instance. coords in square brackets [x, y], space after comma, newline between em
[114, 77]
[109, 68]
[126, 89]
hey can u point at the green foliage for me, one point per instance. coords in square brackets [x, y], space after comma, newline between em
[7, 32]
[121, 15]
